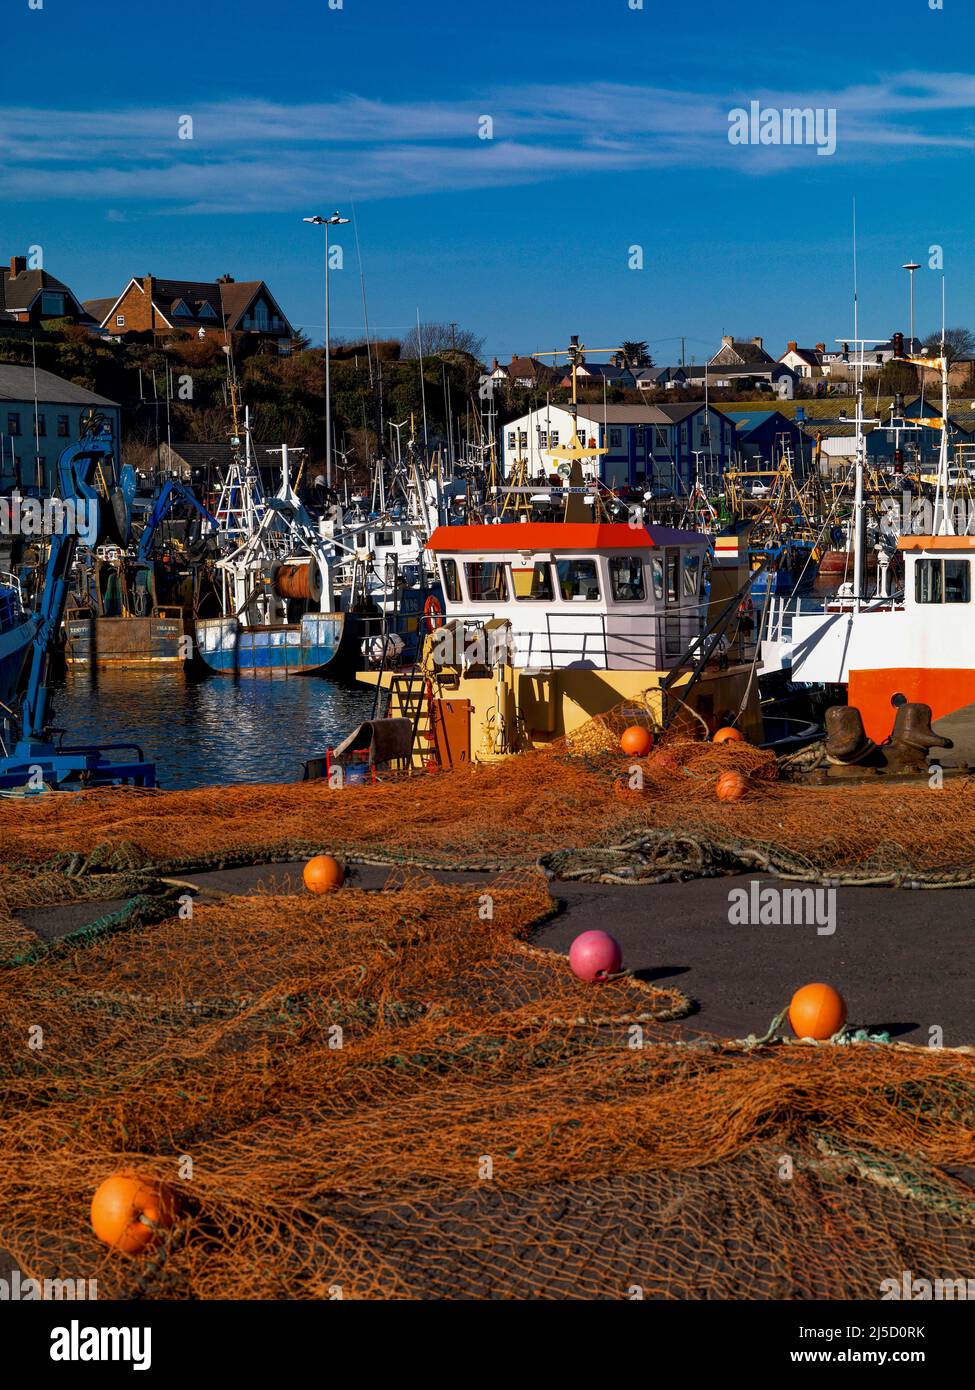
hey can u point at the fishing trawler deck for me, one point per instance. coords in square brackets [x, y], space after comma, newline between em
[546, 624]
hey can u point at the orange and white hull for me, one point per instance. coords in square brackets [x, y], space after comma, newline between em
[920, 647]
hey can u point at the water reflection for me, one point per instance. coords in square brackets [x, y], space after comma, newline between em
[206, 730]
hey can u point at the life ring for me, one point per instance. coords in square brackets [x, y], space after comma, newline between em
[433, 612]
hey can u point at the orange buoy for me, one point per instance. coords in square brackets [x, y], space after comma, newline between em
[817, 1011]
[636, 741]
[130, 1212]
[323, 874]
[731, 786]
[729, 735]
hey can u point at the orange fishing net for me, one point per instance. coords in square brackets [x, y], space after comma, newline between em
[660, 815]
[393, 1095]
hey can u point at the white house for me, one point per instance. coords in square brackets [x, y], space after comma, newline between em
[805, 362]
[651, 447]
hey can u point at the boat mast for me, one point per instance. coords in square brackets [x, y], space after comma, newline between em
[944, 524]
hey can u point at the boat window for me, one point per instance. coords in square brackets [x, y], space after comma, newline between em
[486, 582]
[577, 580]
[928, 582]
[671, 577]
[957, 583]
[383, 538]
[451, 580]
[657, 575]
[692, 573]
[626, 578]
[942, 581]
[533, 583]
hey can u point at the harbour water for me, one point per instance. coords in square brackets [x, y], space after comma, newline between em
[204, 731]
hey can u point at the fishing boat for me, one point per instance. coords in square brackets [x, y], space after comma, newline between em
[549, 624]
[383, 570]
[278, 616]
[17, 628]
[886, 649]
[126, 612]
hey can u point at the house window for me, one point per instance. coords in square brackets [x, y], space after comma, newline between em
[616, 439]
[486, 582]
[64, 427]
[533, 584]
[52, 303]
[206, 311]
[119, 320]
[512, 440]
[40, 425]
[13, 422]
[523, 439]
[577, 580]
[261, 316]
[626, 578]
[705, 435]
[451, 580]
[553, 439]
[661, 438]
[942, 581]
[543, 439]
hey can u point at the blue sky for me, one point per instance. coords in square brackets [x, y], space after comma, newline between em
[610, 130]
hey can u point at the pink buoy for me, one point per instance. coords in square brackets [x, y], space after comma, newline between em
[594, 955]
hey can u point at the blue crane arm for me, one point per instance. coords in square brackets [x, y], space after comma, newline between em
[172, 489]
[76, 469]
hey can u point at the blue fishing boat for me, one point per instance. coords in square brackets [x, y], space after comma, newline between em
[17, 628]
[279, 617]
[314, 646]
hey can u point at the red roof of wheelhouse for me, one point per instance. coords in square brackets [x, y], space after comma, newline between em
[557, 535]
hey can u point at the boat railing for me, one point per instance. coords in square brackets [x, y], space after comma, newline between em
[11, 581]
[579, 639]
[11, 597]
[783, 610]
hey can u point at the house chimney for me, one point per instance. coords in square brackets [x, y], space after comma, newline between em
[759, 342]
[728, 340]
[791, 347]
[148, 282]
[494, 364]
[18, 264]
[225, 280]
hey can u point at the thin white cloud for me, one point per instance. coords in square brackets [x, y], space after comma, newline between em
[256, 155]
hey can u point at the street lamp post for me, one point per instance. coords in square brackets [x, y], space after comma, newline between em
[334, 221]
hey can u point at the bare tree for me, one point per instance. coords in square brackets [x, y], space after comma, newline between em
[959, 342]
[441, 337]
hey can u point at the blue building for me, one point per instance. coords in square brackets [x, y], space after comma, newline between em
[659, 448]
[762, 435]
